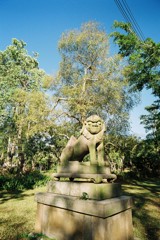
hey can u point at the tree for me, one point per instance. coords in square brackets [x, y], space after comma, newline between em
[89, 81]
[24, 107]
[121, 152]
[143, 58]
[151, 123]
[143, 71]
[146, 160]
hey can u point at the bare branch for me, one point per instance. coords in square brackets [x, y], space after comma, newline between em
[58, 100]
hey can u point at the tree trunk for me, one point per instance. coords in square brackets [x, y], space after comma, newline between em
[20, 150]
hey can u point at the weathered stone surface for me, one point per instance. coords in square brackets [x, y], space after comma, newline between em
[83, 210]
[93, 172]
[104, 208]
[96, 178]
[90, 141]
[84, 167]
[69, 218]
[94, 191]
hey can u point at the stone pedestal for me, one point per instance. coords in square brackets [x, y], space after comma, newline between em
[85, 170]
[63, 213]
[93, 191]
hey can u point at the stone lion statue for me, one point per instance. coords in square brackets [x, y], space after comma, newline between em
[90, 141]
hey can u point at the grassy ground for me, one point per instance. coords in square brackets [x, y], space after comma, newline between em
[17, 214]
[18, 210]
[146, 208]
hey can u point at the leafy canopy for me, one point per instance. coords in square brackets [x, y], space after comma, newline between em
[143, 71]
[89, 80]
[24, 106]
[143, 58]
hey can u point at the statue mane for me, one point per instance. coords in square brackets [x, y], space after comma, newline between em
[88, 135]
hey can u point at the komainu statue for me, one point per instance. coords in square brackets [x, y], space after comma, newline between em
[90, 141]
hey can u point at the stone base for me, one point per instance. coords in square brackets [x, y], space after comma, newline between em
[71, 218]
[92, 190]
[84, 170]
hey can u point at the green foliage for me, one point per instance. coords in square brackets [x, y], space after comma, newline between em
[84, 196]
[143, 58]
[34, 127]
[116, 161]
[132, 157]
[32, 112]
[90, 81]
[151, 122]
[13, 182]
[146, 161]
[86, 47]
[18, 70]
[143, 71]
[33, 236]
[25, 108]
[121, 150]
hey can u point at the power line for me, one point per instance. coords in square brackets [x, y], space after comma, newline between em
[128, 16]
[134, 20]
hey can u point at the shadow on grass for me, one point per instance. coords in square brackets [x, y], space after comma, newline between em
[12, 227]
[146, 204]
[6, 196]
[153, 186]
[17, 212]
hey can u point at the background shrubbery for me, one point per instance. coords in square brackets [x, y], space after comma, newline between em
[13, 182]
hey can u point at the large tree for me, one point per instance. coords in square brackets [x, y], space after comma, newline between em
[24, 107]
[90, 80]
[143, 71]
[143, 58]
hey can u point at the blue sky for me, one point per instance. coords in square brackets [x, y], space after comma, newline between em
[40, 24]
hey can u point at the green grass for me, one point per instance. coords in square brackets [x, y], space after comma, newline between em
[17, 214]
[146, 208]
[18, 211]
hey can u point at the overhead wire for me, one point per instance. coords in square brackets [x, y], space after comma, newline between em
[134, 20]
[128, 16]
[122, 10]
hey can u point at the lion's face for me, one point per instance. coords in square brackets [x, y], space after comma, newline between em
[94, 124]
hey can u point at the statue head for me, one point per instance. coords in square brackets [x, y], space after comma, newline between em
[94, 124]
